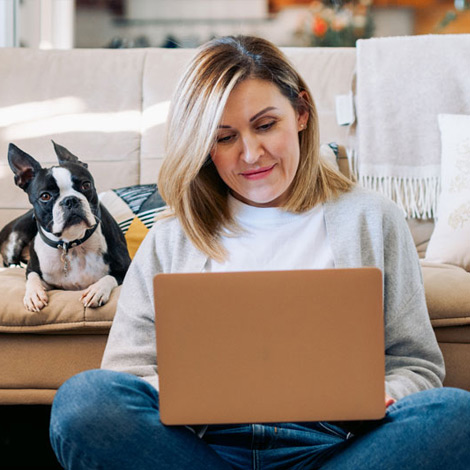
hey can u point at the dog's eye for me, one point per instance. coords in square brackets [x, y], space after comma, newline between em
[45, 197]
[86, 186]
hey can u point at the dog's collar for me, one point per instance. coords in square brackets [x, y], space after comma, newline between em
[63, 245]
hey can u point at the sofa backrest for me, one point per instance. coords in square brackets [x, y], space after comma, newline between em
[109, 108]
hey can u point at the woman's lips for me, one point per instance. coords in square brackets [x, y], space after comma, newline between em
[259, 173]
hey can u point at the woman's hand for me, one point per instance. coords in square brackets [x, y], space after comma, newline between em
[389, 400]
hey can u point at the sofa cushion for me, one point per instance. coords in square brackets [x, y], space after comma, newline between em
[447, 290]
[64, 313]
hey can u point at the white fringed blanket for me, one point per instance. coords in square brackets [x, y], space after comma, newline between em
[403, 83]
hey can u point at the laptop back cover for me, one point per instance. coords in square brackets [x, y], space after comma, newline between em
[274, 346]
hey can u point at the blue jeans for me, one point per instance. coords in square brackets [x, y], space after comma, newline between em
[110, 420]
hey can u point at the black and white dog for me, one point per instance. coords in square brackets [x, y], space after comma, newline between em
[74, 242]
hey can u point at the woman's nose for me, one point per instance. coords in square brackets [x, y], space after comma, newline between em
[252, 149]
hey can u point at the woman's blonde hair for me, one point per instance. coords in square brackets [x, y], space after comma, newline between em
[189, 182]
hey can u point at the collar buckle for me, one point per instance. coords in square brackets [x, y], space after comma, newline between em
[64, 246]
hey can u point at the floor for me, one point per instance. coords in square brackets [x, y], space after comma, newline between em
[24, 438]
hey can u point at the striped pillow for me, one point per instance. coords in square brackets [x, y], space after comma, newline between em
[134, 208]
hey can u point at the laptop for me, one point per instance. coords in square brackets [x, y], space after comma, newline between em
[270, 346]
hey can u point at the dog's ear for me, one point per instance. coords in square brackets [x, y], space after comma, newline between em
[24, 166]
[65, 156]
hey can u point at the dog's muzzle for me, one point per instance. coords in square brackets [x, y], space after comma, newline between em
[70, 202]
[70, 212]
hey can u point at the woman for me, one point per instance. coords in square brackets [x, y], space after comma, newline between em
[247, 190]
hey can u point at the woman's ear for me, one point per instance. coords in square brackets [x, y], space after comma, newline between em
[303, 108]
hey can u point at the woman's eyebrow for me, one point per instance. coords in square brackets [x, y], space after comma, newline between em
[265, 110]
[269, 108]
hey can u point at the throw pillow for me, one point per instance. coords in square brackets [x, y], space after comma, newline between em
[450, 240]
[134, 208]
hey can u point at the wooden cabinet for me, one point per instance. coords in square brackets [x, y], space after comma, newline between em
[276, 5]
[427, 20]
[405, 3]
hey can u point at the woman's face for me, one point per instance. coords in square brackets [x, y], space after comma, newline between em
[257, 151]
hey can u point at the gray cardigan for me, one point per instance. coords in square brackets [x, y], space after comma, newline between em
[364, 229]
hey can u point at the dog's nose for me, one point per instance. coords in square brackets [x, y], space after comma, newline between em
[70, 202]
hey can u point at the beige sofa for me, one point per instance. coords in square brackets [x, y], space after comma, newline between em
[109, 107]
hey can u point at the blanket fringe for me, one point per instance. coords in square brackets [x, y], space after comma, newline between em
[353, 163]
[417, 197]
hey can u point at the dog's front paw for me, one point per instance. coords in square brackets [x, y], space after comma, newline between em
[35, 298]
[98, 293]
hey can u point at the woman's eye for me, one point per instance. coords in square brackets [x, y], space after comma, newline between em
[265, 127]
[45, 197]
[224, 139]
[86, 186]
